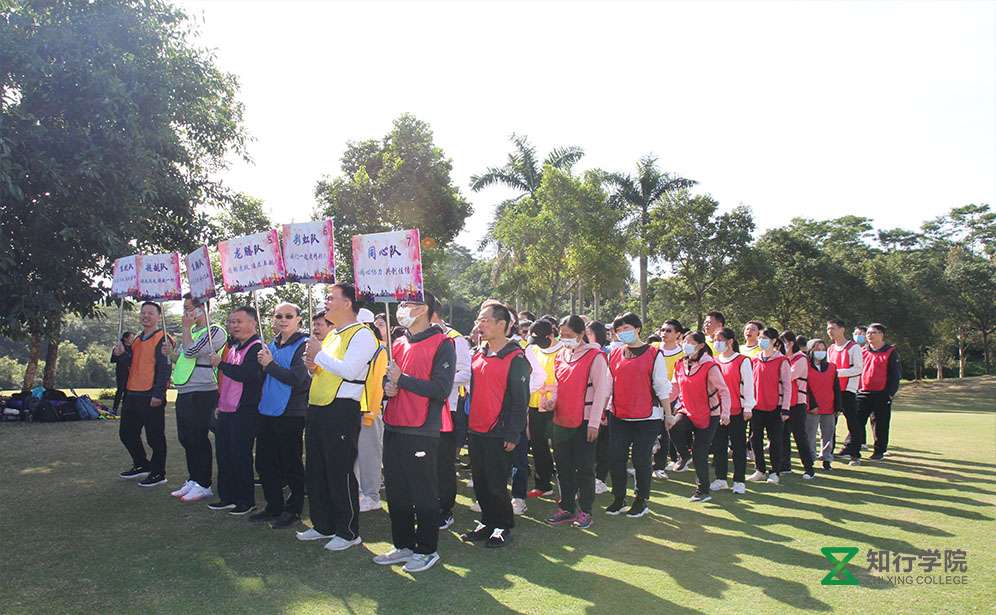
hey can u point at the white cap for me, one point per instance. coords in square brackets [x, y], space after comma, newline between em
[365, 315]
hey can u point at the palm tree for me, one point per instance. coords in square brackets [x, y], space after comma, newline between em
[635, 196]
[523, 171]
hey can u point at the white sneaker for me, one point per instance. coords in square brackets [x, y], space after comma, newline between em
[420, 562]
[184, 490]
[757, 477]
[854, 462]
[750, 455]
[470, 484]
[368, 503]
[600, 487]
[341, 544]
[518, 506]
[718, 485]
[682, 467]
[773, 478]
[739, 488]
[396, 556]
[659, 474]
[671, 466]
[808, 476]
[476, 507]
[197, 493]
[311, 534]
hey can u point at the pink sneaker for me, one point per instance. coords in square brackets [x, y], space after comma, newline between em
[561, 517]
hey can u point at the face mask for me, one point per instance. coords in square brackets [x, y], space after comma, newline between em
[819, 355]
[405, 317]
[859, 339]
[627, 337]
[569, 343]
[720, 346]
[764, 343]
[688, 349]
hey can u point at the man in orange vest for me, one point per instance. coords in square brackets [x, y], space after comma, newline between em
[145, 399]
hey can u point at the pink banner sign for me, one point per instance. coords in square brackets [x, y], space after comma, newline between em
[387, 267]
[309, 252]
[125, 283]
[199, 274]
[251, 262]
[159, 277]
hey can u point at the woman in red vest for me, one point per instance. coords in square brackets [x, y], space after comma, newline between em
[639, 384]
[583, 388]
[795, 426]
[739, 377]
[772, 392]
[704, 405]
[824, 401]
[880, 377]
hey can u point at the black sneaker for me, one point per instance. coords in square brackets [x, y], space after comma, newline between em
[221, 505]
[445, 521]
[699, 496]
[499, 538]
[153, 479]
[616, 506]
[263, 515]
[638, 509]
[286, 519]
[827, 466]
[481, 532]
[877, 457]
[242, 509]
[134, 472]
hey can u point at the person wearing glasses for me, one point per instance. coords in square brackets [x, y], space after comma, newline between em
[284, 402]
[879, 384]
[671, 350]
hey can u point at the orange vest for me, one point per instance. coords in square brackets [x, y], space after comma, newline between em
[142, 374]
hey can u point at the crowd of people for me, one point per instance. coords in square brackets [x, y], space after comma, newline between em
[348, 409]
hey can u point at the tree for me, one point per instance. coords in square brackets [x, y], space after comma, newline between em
[112, 124]
[634, 196]
[972, 280]
[402, 181]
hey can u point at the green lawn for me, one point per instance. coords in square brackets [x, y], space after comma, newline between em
[76, 539]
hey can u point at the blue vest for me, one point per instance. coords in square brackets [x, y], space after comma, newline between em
[276, 394]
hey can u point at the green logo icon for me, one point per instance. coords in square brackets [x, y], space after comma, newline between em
[839, 574]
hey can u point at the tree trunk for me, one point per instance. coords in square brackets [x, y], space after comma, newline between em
[940, 369]
[574, 302]
[961, 355]
[31, 371]
[51, 362]
[594, 303]
[985, 351]
[643, 284]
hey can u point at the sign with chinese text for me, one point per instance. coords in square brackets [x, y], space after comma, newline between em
[199, 274]
[388, 266]
[125, 283]
[309, 253]
[250, 262]
[159, 277]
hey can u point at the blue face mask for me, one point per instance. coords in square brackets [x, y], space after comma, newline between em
[627, 337]
[819, 355]
[764, 343]
[688, 349]
[720, 346]
[859, 339]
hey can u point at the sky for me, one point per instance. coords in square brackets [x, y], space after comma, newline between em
[818, 109]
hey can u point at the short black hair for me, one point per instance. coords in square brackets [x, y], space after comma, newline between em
[158, 307]
[430, 301]
[676, 325]
[249, 311]
[876, 325]
[319, 316]
[598, 330]
[729, 335]
[835, 322]
[716, 315]
[527, 315]
[654, 338]
[770, 332]
[573, 322]
[629, 318]
[499, 312]
[349, 292]
[126, 335]
[756, 323]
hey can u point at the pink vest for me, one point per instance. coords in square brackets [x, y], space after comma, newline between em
[230, 391]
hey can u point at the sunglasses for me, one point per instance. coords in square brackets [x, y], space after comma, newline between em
[284, 316]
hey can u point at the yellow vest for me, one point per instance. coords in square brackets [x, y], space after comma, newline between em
[324, 384]
[750, 353]
[373, 390]
[671, 360]
[546, 359]
[453, 334]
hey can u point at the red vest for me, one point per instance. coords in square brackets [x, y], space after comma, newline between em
[407, 409]
[490, 380]
[693, 390]
[731, 374]
[799, 384]
[632, 383]
[875, 372]
[768, 383]
[841, 360]
[821, 388]
[572, 388]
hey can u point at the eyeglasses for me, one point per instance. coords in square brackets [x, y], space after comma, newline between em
[284, 316]
[667, 330]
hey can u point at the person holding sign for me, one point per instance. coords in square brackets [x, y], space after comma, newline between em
[419, 381]
[282, 406]
[499, 399]
[197, 396]
[339, 368]
[145, 399]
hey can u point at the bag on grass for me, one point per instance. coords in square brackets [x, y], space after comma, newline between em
[86, 408]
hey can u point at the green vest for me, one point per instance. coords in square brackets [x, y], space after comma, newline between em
[185, 365]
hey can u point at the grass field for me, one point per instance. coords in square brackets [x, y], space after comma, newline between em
[76, 539]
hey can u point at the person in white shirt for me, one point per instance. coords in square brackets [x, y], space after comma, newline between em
[846, 355]
[739, 377]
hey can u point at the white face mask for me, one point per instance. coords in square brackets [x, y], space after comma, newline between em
[688, 349]
[405, 317]
[569, 343]
[819, 355]
[720, 346]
